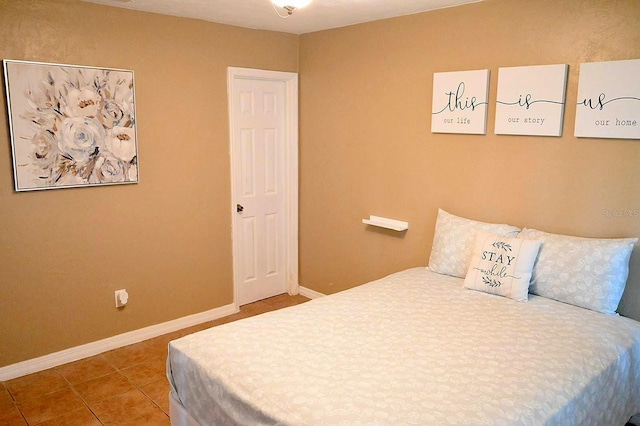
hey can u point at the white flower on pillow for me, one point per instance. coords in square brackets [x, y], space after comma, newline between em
[587, 272]
[453, 242]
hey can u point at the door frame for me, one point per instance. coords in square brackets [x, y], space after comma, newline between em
[290, 81]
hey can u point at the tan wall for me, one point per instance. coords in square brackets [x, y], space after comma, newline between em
[167, 240]
[366, 145]
[366, 148]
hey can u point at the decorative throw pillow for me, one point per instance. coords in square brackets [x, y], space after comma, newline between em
[502, 265]
[586, 272]
[453, 241]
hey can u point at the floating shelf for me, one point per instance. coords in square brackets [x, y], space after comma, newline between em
[383, 222]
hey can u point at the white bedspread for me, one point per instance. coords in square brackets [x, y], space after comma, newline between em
[413, 348]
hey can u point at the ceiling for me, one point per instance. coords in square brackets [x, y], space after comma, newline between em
[259, 14]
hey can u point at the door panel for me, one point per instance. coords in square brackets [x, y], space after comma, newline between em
[247, 168]
[258, 130]
[249, 248]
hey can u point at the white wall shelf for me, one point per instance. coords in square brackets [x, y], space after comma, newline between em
[383, 222]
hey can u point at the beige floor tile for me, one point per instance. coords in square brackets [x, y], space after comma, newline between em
[10, 416]
[129, 405]
[49, 406]
[146, 372]
[85, 369]
[159, 346]
[81, 417]
[34, 385]
[103, 387]
[195, 328]
[128, 355]
[5, 398]
[298, 299]
[158, 392]
[255, 309]
[156, 418]
[280, 303]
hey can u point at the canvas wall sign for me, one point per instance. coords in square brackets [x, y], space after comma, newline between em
[460, 101]
[71, 126]
[531, 100]
[609, 100]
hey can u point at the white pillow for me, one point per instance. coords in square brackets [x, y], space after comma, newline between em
[453, 242]
[502, 265]
[586, 272]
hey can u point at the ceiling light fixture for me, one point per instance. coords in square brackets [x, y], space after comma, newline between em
[289, 6]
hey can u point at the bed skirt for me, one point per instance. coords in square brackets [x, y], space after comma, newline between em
[178, 414]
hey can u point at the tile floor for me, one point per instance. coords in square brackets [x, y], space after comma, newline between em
[125, 386]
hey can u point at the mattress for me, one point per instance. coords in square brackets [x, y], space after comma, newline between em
[413, 348]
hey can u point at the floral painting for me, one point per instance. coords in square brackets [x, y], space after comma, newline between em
[71, 125]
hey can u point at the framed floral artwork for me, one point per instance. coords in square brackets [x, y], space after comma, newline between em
[71, 126]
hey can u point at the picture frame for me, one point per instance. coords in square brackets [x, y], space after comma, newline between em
[71, 125]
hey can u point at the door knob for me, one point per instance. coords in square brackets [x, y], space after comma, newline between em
[239, 208]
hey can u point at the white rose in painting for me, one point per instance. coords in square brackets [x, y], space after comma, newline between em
[121, 142]
[82, 103]
[125, 100]
[41, 104]
[43, 157]
[44, 147]
[82, 138]
[109, 169]
[41, 99]
[112, 114]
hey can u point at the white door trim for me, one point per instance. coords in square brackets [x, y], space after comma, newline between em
[290, 81]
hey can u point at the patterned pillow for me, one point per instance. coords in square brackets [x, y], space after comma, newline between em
[586, 272]
[502, 265]
[453, 242]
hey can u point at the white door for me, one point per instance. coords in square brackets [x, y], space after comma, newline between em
[259, 142]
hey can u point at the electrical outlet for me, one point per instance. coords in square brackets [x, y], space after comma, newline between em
[122, 297]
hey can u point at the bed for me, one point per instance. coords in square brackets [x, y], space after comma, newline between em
[417, 347]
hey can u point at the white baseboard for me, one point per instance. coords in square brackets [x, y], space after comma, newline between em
[83, 351]
[311, 294]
